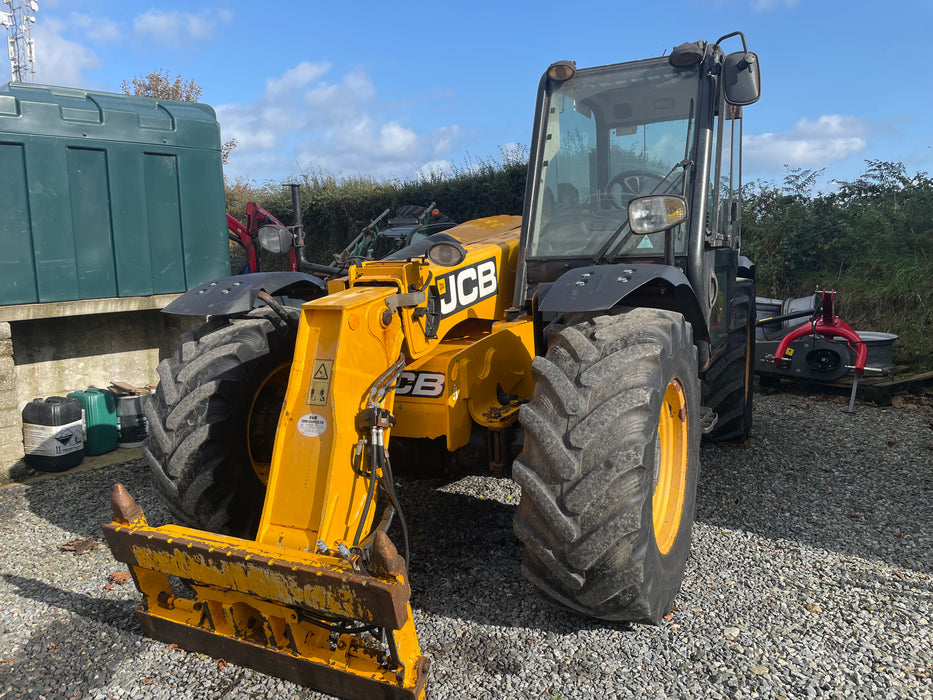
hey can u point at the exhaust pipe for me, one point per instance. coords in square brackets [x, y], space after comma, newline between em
[303, 261]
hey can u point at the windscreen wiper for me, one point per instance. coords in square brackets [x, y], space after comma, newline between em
[611, 244]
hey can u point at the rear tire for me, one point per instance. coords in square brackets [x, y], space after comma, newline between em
[213, 418]
[610, 464]
[728, 385]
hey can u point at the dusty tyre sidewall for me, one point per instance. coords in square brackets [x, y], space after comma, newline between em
[198, 453]
[586, 514]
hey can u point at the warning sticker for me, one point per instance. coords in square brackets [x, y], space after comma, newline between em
[319, 390]
[53, 441]
[312, 425]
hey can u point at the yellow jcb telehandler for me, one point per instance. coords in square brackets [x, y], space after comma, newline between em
[582, 349]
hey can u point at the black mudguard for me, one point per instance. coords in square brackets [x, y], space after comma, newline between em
[599, 288]
[237, 294]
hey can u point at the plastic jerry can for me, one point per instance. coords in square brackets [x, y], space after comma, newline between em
[132, 425]
[100, 420]
[53, 434]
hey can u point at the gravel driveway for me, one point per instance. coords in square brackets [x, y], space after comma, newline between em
[810, 577]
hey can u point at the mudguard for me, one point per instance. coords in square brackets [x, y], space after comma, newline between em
[237, 294]
[603, 287]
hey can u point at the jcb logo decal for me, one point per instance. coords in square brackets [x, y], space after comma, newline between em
[467, 286]
[427, 385]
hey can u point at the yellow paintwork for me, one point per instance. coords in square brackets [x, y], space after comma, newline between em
[346, 340]
[667, 503]
[475, 364]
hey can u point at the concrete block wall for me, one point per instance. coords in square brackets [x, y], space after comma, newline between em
[53, 349]
[11, 437]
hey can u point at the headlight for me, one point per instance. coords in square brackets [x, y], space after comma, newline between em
[275, 239]
[446, 253]
[656, 213]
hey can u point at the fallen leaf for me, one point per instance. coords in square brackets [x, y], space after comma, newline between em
[919, 671]
[52, 646]
[119, 577]
[814, 608]
[669, 616]
[221, 664]
[798, 404]
[81, 545]
[108, 587]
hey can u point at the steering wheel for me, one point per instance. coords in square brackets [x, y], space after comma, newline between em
[630, 184]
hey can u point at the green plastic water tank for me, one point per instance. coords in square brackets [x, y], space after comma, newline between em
[100, 420]
[107, 195]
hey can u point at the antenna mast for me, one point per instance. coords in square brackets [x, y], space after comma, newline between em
[17, 17]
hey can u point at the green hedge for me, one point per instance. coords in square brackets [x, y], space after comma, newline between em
[334, 210]
[871, 240]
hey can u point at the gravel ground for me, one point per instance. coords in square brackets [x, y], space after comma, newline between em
[810, 577]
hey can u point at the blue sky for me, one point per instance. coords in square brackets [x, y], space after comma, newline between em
[392, 90]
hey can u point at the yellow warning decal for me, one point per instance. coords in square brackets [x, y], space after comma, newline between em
[320, 382]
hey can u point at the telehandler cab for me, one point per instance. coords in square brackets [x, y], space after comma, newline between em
[603, 332]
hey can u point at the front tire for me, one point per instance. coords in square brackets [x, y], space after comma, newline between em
[610, 464]
[213, 418]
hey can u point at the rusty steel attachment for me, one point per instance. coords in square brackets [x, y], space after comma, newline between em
[312, 619]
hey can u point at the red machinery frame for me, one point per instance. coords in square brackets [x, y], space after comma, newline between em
[247, 236]
[828, 325]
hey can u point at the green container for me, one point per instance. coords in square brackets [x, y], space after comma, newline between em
[100, 420]
[107, 195]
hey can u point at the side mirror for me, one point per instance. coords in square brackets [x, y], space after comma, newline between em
[741, 78]
[275, 238]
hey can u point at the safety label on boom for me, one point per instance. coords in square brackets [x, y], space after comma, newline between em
[312, 425]
[320, 382]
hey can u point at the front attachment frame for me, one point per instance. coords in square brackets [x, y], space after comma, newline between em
[289, 613]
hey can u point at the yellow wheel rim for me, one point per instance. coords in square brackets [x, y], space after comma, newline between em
[264, 419]
[667, 504]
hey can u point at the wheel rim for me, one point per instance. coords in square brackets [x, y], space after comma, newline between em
[264, 419]
[667, 504]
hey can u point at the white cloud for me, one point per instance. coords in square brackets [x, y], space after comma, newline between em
[807, 144]
[60, 61]
[173, 28]
[434, 168]
[248, 127]
[444, 138]
[354, 90]
[295, 79]
[308, 118]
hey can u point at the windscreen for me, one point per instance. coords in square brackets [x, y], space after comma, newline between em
[611, 134]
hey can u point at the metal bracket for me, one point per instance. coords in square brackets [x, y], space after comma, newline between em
[399, 301]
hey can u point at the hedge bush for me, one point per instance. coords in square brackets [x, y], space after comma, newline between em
[871, 240]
